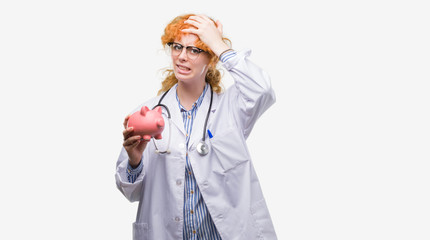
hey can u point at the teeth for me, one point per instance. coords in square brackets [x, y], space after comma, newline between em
[183, 68]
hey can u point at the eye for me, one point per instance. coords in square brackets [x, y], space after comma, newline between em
[177, 46]
[196, 50]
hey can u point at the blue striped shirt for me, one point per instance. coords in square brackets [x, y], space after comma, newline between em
[198, 223]
[227, 55]
[133, 173]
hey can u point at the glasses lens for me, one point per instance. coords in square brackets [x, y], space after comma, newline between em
[176, 48]
[192, 52]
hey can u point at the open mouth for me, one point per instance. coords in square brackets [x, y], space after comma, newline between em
[183, 69]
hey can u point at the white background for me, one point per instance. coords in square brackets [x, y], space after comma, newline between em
[343, 154]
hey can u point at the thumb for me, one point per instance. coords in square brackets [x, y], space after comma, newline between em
[219, 26]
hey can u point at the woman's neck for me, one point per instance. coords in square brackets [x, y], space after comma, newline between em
[189, 93]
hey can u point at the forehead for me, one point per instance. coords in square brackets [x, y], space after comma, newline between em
[187, 39]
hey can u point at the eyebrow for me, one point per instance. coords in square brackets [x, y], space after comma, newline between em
[200, 50]
[184, 45]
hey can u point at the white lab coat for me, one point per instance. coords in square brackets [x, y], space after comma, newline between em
[225, 176]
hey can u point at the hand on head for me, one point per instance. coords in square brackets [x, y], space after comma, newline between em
[208, 31]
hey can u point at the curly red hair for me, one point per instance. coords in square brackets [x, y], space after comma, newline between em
[173, 31]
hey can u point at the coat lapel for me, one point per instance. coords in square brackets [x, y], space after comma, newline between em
[199, 121]
[176, 117]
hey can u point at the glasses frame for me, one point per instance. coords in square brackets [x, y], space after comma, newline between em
[188, 50]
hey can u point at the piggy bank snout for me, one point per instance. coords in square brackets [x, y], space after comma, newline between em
[160, 123]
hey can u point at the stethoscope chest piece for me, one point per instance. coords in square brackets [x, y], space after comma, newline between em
[202, 148]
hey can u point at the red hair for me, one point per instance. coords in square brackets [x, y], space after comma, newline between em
[172, 32]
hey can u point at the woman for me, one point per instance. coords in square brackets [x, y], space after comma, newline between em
[195, 192]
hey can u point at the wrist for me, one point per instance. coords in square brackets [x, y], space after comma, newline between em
[134, 163]
[220, 48]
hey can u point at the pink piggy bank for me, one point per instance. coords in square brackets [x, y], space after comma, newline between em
[147, 123]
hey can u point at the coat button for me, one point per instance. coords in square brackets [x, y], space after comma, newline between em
[177, 219]
[178, 182]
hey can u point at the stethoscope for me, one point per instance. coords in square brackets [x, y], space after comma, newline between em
[202, 148]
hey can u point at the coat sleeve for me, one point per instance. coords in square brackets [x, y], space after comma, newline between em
[252, 93]
[131, 191]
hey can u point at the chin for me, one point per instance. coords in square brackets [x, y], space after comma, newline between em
[183, 78]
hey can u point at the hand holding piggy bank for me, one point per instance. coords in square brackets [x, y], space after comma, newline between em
[147, 123]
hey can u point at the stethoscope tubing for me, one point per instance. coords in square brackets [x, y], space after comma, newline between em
[202, 149]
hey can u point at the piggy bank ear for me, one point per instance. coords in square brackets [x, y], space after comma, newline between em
[158, 109]
[144, 110]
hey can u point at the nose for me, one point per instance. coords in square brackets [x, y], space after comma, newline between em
[183, 55]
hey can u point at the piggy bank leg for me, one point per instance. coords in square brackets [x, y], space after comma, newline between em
[158, 136]
[146, 137]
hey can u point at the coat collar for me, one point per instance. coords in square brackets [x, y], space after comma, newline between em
[199, 121]
[175, 113]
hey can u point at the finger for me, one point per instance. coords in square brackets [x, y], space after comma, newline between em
[193, 22]
[197, 18]
[142, 144]
[133, 145]
[202, 20]
[205, 18]
[126, 121]
[139, 144]
[128, 136]
[190, 30]
[131, 141]
[126, 133]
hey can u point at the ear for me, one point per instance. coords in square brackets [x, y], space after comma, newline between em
[144, 110]
[158, 109]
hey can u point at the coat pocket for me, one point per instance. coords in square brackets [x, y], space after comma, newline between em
[230, 149]
[140, 231]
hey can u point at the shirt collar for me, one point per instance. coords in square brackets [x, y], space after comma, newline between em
[196, 104]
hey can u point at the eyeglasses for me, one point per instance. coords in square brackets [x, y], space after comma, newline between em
[192, 52]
